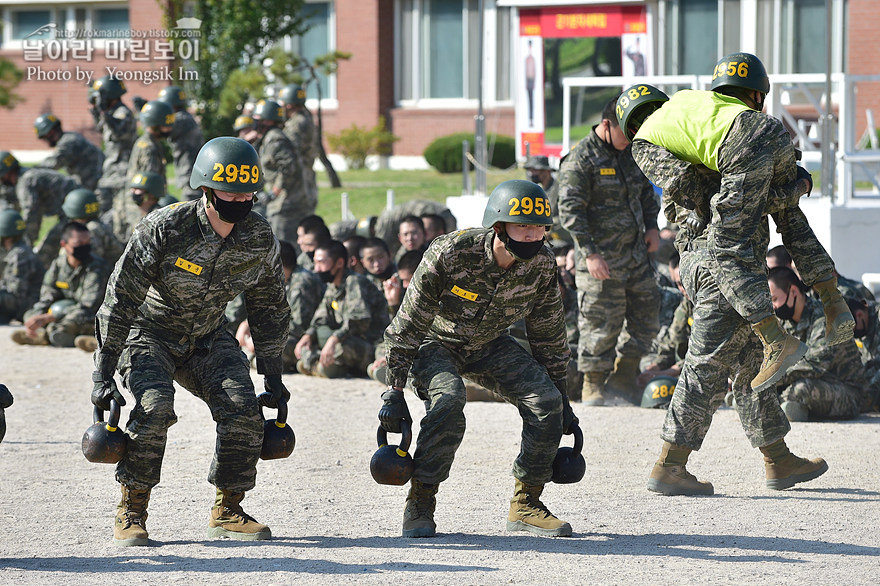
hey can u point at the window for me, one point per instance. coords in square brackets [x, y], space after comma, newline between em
[110, 19]
[24, 22]
[692, 38]
[84, 17]
[317, 41]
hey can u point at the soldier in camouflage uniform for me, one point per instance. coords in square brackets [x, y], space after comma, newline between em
[388, 222]
[146, 190]
[376, 260]
[538, 170]
[411, 236]
[722, 344]
[76, 275]
[310, 233]
[288, 200]
[670, 346]
[21, 272]
[118, 129]
[347, 325]
[469, 288]
[185, 139]
[162, 321]
[867, 338]
[73, 152]
[610, 210]
[830, 382]
[301, 130]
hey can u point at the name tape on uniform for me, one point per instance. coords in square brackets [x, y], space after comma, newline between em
[62, 285]
[456, 290]
[608, 171]
[188, 266]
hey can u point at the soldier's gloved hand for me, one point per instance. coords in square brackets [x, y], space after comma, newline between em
[275, 392]
[104, 388]
[568, 416]
[804, 175]
[393, 411]
[5, 397]
[694, 224]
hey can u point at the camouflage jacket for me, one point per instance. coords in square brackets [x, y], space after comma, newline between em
[388, 222]
[301, 130]
[354, 308]
[84, 284]
[282, 171]
[177, 275]
[119, 131]
[186, 140]
[869, 352]
[841, 361]
[672, 342]
[104, 242]
[81, 158]
[41, 192]
[606, 204]
[148, 154]
[22, 276]
[304, 293]
[460, 297]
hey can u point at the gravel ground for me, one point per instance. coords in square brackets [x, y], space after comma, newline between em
[334, 525]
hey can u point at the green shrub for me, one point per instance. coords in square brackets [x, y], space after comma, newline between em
[444, 154]
[356, 142]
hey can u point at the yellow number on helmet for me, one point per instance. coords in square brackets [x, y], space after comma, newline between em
[514, 206]
[743, 69]
[245, 173]
[232, 173]
[255, 174]
[539, 207]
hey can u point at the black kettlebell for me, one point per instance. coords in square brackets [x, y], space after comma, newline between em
[392, 464]
[278, 438]
[569, 465]
[104, 443]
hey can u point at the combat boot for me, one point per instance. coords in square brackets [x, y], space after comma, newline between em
[228, 519]
[86, 343]
[21, 337]
[670, 477]
[528, 513]
[781, 352]
[418, 516]
[593, 390]
[622, 381]
[130, 525]
[839, 322]
[783, 469]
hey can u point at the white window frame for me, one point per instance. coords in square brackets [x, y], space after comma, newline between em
[9, 8]
[327, 103]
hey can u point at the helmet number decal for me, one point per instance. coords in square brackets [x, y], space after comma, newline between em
[539, 206]
[632, 94]
[731, 69]
[235, 173]
[663, 391]
[93, 208]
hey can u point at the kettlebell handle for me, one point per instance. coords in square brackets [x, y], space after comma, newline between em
[281, 417]
[578, 439]
[405, 439]
[113, 420]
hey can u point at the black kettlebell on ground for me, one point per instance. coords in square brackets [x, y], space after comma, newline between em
[569, 465]
[278, 438]
[392, 464]
[104, 443]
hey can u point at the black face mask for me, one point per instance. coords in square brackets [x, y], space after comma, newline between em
[859, 332]
[533, 177]
[387, 273]
[163, 134]
[83, 252]
[137, 198]
[785, 312]
[325, 276]
[522, 251]
[232, 212]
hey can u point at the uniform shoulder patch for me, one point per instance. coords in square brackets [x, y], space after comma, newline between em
[235, 269]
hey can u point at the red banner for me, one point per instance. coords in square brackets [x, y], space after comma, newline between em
[582, 21]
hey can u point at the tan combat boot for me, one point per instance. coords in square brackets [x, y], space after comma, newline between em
[528, 513]
[228, 519]
[130, 525]
[784, 469]
[781, 352]
[839, 322]
[593, 390]
[21, 337]
[86, 343]
[418, 516]
[622, 381]
[670, 477]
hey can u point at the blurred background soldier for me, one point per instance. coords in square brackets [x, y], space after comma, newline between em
[73, 152]
[21, 272]
[300, 129]
[146, 191]
[185, 139]
[118, 129]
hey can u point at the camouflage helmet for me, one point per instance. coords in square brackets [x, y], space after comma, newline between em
[292, 94]
[167, 200]
[173, 95]
[658, 392]
[11, 223]
[268, 110]
[60, 308]
[741, 70]
[45, 123]
[519, 202]
[150, 182]
[109, 87]
[81, 203]
[227, 164]
[156, 113]
[243, 122]
[8, 163]
[635, 104]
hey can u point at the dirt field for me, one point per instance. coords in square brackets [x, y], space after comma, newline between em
[334, 525]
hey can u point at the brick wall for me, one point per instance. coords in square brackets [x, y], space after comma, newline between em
[863, 56]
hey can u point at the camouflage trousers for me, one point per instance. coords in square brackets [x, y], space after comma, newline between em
[825, 398]
[110, 184]
[628, 302]
[722, 345]
[350, 357]
[504, 367]
[63, 333]
[220, 377]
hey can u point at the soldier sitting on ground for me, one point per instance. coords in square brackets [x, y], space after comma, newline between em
[867, 337]
[310, 233]
[376, 260]
[76, 275]
[21, 272]
[348, 324]
[411, 235]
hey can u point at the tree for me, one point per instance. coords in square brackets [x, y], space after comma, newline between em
[235, 35]
[10, 76]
